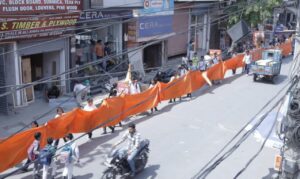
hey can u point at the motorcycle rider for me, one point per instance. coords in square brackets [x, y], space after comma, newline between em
[133, 145]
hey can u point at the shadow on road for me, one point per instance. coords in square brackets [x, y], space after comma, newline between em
[271, 175]
[150, 172]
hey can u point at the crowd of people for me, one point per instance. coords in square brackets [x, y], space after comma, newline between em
[45, 158]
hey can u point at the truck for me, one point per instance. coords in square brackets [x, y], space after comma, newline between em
[268, 67]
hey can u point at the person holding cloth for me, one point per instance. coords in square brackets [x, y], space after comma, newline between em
[247, 60]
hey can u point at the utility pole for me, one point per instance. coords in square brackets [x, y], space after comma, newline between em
[297, 36]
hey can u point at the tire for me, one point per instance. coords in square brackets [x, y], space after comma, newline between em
[272, 80]
[143, 164]
[255, 77]
[109, 174]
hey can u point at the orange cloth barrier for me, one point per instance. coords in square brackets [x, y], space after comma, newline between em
[113, 110]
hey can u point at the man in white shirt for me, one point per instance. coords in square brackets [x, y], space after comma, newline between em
[208, 60]
[247, 60]
[80, 91]
[73, 156]
[134, 87]
[133, 138]
[90, 107]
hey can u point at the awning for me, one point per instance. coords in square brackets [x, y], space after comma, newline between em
[292, 9]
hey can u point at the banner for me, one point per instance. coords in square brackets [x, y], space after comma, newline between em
[36, 27]
[14, 149]
[150, 26]
[33, 7]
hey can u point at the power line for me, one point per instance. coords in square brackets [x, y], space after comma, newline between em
[123, 112]
[69, 99]
[203, 173]
[98, 61]
[103, 19]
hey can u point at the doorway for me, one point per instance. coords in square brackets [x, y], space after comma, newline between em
[153, 56]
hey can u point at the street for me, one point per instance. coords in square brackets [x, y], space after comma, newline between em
[184, 136]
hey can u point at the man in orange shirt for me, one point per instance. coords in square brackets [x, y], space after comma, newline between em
[99, 50]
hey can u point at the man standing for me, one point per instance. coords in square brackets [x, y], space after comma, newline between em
[134, 87]
[69, 154]
[247, 60]
[99, 49]
[90, 107]
[208, 60]
[33, 153]
[133, 138]
[46, 158]
[80, 92]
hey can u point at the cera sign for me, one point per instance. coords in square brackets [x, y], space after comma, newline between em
[36, 27]
[100, 14]
[150, 26]
[27, 7]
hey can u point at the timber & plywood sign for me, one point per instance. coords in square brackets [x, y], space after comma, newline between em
[30, 7]
[36, 27]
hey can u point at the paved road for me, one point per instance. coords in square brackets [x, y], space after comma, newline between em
[186, 135]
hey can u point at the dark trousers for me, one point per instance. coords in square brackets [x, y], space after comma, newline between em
[155, 108]
[247, 68]
[111, 128]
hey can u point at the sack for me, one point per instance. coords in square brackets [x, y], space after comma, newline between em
[46, 155]
[66, 154]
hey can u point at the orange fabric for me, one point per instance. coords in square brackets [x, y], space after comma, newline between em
[113, 110]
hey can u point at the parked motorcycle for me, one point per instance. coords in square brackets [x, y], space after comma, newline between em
[117, 162]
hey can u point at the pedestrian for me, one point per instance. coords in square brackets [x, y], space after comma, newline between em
[208, 60]
[33, 154]
[152, 84]
[59, 112]
[99, 50]
[174, 77]
[202, 65]
[90, 107]
[215, 59]
[134, 87]
[191, 65]
[80, 92]
[195, 59]
[113, 92]
[47, 158]
[247, 60]
[69, 155]
[34, 124]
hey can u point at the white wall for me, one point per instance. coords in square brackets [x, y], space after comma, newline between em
[10, 70]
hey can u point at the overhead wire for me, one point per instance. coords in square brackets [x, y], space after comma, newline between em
[109, 18]
[205, 171]
[110, 120]
[95, 62]
[262, 146]
[70, 98]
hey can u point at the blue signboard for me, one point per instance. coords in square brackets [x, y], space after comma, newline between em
[157, 7]
[150, 26]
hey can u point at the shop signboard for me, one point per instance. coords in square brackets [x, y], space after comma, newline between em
[24, 28]
[156, 7]
[103, 14]
[32, 7]
[150, 26]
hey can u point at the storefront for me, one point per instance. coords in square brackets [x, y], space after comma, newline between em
[36, 48]
[99, 25]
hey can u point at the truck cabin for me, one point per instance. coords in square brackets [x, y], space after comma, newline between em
[272, 55]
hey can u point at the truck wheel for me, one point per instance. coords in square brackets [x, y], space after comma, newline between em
[255, 77]
[272, 80]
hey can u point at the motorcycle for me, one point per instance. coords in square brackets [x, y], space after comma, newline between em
[117, 162]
